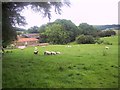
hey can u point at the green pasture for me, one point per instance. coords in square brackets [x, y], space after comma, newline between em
[78, 66]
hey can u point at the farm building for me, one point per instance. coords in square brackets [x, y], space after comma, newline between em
[26, 41]
[34, 35]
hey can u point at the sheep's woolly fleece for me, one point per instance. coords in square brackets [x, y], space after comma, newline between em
[51, 53]
[21, 47]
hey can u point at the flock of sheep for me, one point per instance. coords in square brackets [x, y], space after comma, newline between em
[51, 53]
[36, 51]
[48, 52]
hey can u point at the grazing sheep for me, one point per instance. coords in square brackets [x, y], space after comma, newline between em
[53, 53]
[21, 47]
[106, 47]
[58, 53]
[36, 50]
[12, 46]
[47, 53]
[69, 46]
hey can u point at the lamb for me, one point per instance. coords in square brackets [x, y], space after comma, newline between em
[21, 47]
[106, 47]
[47, 53]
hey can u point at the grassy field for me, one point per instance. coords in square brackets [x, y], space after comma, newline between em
[81, 66]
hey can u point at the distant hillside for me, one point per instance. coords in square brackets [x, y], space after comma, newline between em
[107, 27]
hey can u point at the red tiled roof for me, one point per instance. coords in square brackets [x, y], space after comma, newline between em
[26, 39]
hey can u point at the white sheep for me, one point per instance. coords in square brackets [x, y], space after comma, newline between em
[106, 47]
[53, 53]
[47, 53]
[58, 53]
[69, 46]
[36, 50]
[21, 47]
[12, 46]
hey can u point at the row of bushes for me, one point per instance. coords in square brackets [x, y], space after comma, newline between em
[62, 37]
[106, 33]
[88, 39]
[85, 39]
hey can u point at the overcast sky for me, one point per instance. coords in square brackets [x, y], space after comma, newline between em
[93, 12]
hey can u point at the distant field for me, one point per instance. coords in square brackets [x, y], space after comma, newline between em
[81, 66]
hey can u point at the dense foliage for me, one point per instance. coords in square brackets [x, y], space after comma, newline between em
[42, 28]
[70, 27]
[33, 30]
[63, 31]
[85, 39]
[87, 29]
[56, 34]
[60, 31]
[107, 33]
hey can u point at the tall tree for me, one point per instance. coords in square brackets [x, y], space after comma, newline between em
[87, 29]
[42, 28]
[56, 34]
[11, 15]
[69, 26]
[33, 29]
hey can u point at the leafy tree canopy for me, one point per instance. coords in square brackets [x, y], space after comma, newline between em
[69, 26]
[87, 29]
[33, 30]
[85, 39]
[56, 34]
[107, 33]
[42, 28]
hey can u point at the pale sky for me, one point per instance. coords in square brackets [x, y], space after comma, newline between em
[93, 12]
